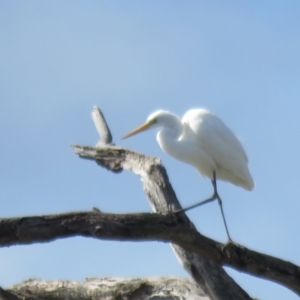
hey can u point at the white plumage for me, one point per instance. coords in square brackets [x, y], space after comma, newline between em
[202, 140]
[224, 151]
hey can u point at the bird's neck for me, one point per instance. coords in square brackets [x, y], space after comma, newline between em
[172, 129]
[169, 137]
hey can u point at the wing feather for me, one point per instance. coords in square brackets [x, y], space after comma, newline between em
[223, 147]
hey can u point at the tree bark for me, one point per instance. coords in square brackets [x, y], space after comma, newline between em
[106, 288]
[210, 276]
[147, 227]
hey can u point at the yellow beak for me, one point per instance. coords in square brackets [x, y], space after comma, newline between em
[141, 128]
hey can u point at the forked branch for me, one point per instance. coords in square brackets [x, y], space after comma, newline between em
[202, 257]
[147, 227]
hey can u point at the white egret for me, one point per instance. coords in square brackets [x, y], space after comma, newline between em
[202, 140]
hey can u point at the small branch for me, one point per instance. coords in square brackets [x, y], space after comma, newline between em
[148, 227]
[102, 128]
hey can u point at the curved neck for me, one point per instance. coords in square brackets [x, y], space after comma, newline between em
[169, 137]
[172, 128]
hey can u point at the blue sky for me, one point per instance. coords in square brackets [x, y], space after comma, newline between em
[58, 59]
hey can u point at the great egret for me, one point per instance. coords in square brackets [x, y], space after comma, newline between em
[202, 140]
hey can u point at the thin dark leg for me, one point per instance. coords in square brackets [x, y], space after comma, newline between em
[211, 199]
[215, 196]
[214, 183]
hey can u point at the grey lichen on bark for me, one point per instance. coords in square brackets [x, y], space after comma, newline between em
[108, 288]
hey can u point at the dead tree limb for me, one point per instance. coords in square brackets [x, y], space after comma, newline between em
[106, 288]
[210, 276]
[102, 127]
[201, 257]
[148, 227]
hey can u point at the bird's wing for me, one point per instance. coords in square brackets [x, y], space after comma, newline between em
[219, 142]
[211, 131]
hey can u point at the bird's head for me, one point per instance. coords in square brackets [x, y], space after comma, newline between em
[156, 119]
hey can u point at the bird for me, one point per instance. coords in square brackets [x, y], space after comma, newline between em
[202, 140]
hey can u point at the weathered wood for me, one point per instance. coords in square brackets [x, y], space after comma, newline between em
[200, 256]
[102, 127]
[108, 288]
[210, 276]
[148, 227]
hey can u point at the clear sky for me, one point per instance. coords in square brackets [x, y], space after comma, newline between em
[239, 59]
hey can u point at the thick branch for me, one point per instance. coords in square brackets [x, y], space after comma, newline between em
[209, 275]
[162, 197]
[106, 288]
[148, 227]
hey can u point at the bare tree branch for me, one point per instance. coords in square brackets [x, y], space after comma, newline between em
[148, 227]
[106, 288]
[102, 127]
[202, 257]
[210, 276]
[257, 264]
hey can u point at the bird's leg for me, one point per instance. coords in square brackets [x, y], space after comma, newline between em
[216, 196]
[212, 198]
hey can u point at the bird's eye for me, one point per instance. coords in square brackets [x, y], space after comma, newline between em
[152, 121]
